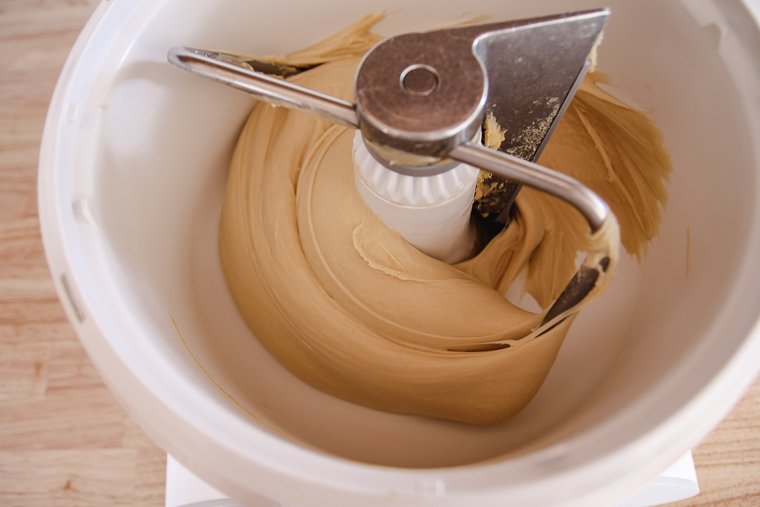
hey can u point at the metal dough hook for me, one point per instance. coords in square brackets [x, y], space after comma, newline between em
[422, 97]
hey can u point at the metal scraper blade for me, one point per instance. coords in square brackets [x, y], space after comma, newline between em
[533, 72]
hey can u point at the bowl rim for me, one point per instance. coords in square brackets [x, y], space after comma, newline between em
[591, 465]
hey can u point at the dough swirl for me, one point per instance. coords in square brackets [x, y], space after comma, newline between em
[351, 308]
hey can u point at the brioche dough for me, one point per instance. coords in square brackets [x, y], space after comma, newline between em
[351, 308]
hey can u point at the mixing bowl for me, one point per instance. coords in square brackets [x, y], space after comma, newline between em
[132, 172]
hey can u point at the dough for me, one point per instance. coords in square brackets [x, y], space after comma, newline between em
[351, 308]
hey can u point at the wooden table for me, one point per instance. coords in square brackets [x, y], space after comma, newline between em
[63, 438]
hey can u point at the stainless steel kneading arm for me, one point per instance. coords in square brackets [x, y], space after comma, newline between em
[421, 99]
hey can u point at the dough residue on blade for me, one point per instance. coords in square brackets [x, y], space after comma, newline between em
[351, 308]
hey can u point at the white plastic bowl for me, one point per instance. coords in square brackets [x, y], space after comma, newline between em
[132, 170]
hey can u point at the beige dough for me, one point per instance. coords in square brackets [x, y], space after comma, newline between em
[351, 308]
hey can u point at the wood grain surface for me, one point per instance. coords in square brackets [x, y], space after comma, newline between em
[64, 441]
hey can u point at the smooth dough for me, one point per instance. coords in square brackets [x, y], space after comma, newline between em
[351, 308]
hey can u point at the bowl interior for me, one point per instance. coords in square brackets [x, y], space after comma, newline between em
[148, 191]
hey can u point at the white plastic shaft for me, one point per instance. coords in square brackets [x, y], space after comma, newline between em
[430, 212]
